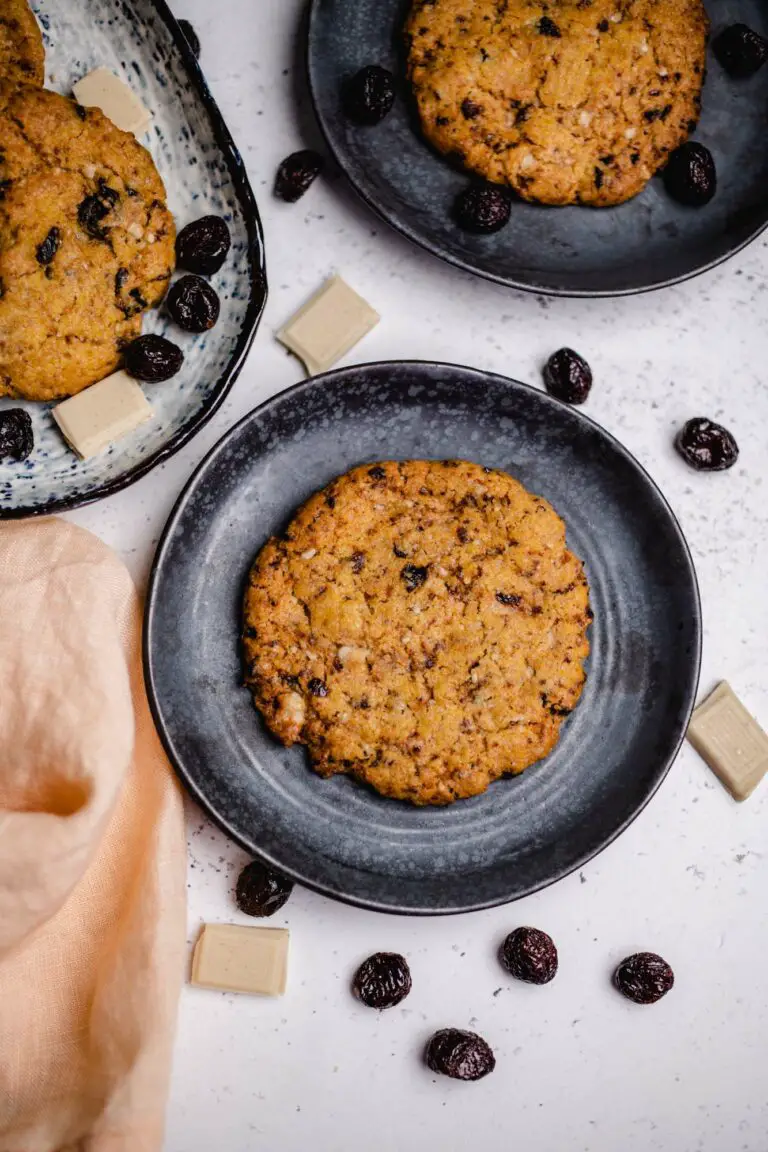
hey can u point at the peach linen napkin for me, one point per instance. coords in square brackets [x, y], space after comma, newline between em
[92, 856]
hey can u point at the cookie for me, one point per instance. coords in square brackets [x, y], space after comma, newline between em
[421, 626]
[22, 56]
[568, 101]
[86, 243]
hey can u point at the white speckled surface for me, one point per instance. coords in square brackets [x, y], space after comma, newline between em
[579, 1069]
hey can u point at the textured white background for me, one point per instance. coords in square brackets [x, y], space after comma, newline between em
[578, 1067]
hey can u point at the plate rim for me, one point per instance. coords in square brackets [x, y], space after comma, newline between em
[257, 301]
[156, 575]
[456, 261]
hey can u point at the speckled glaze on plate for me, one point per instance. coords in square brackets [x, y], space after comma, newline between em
[336, 835]
[650, 242]
[203, 173]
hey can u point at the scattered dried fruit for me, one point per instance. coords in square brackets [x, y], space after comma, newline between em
[191, 37]
[741, 51]
[706, 446]
[202, 246]
[690, 177]
[568, 377]
[644, 978]
[483, 208]
[49, 247]
[16, 437]
[296, 173]
[193, 304]
[383, 980]
[260, 891]
[152, 358]
[369, 96]
[413, 576]
[530, 955]
[460, 1055]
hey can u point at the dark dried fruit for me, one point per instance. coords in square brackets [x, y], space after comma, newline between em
[152, 358]
[383, 980]
[16, 437]
[509, 599]
[530, 955]
[191, 37]
[260, 891]
[193, 304]
[690, 177]
[460, 1055]
[413, 576]
[470, 110]
[741, 51]
[548, 27]
[90, 214]
[644, 978]
[706, 446]
[368, 97]
[568, 377]
[296, 173]
[49, 247]
[202, 246]
[317, 688]
[483, 208]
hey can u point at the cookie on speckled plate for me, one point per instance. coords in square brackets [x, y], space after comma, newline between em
[86, 243]
[421, 626]
[22, 55]
[567, 102]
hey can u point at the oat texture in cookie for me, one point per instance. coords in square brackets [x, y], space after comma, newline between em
[568, 101]
[421, 626]
[22, 55]
[86, 243]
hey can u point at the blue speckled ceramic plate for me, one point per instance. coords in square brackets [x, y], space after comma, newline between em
[337, 835]
[648, 243]
[203, 173]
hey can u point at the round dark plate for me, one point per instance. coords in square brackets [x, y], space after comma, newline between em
[648, 243]
[336, 835]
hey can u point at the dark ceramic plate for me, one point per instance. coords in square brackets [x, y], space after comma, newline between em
[645, 244]
[336, 835]
[203, 172]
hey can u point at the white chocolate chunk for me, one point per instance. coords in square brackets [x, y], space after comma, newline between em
[232, 958]
[101, 414]
[328, 326]
[102, 89]
[731, 741]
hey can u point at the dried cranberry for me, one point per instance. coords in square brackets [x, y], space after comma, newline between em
[568, 377]
[49, 247]
[368, 97]
[296, 173]
[203, 246]
[152, 358]
[191, 37]
[483, 208]
[16, 437]
[741, 51]
[690, 177]
[413, 576]
[644, 978]
[460, 1055]
[193, 304]
[260, 891]
[706, 446]
[530, 955]
[383, 980]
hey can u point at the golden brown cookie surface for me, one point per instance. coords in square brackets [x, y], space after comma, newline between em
[22, 56]
[567, 101]
[422, 626]
[86, 243]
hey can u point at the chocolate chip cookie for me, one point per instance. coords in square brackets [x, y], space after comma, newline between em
[86, 243]
[568, 101]
[421, 626]
[22, 56]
